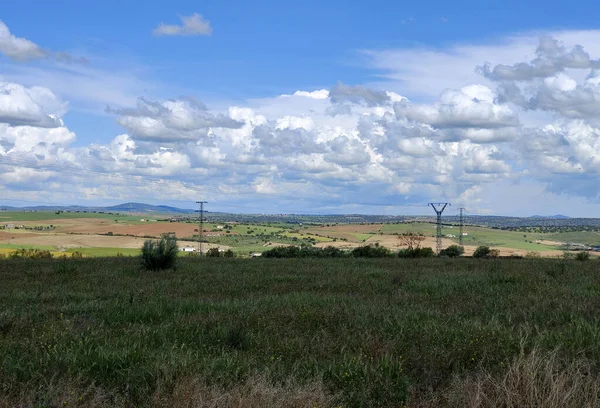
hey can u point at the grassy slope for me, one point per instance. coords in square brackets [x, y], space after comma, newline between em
[579, 237]
[369, 330]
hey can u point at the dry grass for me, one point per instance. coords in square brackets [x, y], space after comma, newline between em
[533, 380]
[256, 392]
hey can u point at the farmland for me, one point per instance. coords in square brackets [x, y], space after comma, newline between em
[298, 332]
[106, 234]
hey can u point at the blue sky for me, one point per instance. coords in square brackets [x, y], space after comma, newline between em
[407, 116]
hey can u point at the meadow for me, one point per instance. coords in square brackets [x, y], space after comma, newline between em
[101, 332]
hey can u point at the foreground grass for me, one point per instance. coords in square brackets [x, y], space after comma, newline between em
[298, 332]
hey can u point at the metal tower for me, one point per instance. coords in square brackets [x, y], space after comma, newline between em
[439, 209]
[200, 224]
[462, 222]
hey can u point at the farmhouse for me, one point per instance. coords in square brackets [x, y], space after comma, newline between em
[187, 249]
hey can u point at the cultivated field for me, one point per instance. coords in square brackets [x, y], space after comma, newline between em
[300, 333]
[109, 234]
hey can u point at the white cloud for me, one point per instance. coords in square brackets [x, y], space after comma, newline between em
[191, 26]
[381, 149]
[18, 49]
[36, 106]
[21, 49]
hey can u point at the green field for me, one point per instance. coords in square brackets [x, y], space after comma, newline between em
[578, 237]
[51, 215]
[296, 332]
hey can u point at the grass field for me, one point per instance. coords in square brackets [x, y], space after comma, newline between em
[298, 332]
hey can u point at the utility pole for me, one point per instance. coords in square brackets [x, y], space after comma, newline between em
[200, 224]
[462, 221]
[439, 209]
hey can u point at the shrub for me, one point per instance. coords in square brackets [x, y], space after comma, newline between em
[229, 254]
[213, 253]
[416, 253]
[452, 251]
[532, 254]
[159, 254]
[482, 251]
[30, 254]
[368, 251]
[582, 256]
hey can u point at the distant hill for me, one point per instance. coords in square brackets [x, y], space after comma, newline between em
[126, 207]
[554, 217]
[140, 207]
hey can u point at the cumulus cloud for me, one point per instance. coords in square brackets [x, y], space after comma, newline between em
[18, 49]
[170, 121]
[191, 26]
[35, 106]
[21, 49]
[472, 106]
[336, 148]
[551, 59]
[360, 95]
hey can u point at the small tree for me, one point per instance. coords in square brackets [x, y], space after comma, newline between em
[582, 256]
[452, 251]
[411, 241]
[159, 254]
[213, 253]
[482, 251]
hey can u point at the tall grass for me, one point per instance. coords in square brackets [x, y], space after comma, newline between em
[348, 331]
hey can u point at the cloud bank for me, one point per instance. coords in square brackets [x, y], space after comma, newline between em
[349, 148]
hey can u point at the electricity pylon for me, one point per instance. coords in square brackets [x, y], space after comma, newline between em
[461, 223]
[200, 224]
[439, 209]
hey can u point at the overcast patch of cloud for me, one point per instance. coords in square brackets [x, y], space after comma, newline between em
[190, 26]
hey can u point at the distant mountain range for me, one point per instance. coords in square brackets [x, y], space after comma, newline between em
[554, 217]
[125, 207]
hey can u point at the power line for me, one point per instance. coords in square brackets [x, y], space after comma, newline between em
[439, 209]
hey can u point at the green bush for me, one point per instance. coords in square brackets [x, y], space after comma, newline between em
[368, 251]
[229, 254]
[482, 251]
[416, 253]
[30, 254]
[582, 256]
[304, 252]
[452, 251]
[213, 253]
[159, 254]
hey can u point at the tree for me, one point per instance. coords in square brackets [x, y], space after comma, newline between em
[452, 251]
[482, 251]
[410, 240]
[160, 254]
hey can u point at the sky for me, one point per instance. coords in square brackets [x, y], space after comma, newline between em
[302, 107]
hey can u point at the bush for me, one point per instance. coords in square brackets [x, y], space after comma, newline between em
[159, 254]
[482, 251]
[416, 253]
[582, 256]
[229, 254]
[213, 253]
[30, 254]
[452, 251]
[304, 252]
[368, 251]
